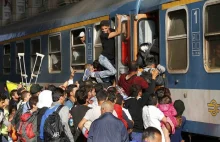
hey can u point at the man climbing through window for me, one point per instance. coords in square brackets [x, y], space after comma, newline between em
[107, 57]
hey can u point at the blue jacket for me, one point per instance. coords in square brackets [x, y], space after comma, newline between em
[108, 128]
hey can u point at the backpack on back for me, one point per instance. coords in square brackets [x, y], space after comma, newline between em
[16, 120]
[27, 131]
[51, 127]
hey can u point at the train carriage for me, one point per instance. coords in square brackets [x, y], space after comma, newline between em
[187, 32]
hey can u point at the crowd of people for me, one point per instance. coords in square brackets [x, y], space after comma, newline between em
[97, 108]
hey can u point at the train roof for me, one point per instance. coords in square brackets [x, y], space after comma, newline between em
[73, 13]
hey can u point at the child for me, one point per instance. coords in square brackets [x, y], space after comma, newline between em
[25, 96]
[166, 106]
[152, 116]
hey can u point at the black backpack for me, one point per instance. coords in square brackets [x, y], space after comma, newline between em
[53, 129]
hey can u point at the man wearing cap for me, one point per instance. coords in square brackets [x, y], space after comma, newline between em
[82, 37]
[35, 89]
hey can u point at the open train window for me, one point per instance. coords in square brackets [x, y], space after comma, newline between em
[35, 48]
[212, 38]
[55, 58]
[97, 41]
[177, 40]
[19, 49]
[7, 59]
[78, 48]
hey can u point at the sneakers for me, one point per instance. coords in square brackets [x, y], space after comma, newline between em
[86, 75]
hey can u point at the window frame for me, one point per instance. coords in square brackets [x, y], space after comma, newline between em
[16, 56]
[94, 38]
[49, 62]
[178, 37]
[205, 42]
[31, 49]
[72, 45]
[9, 57]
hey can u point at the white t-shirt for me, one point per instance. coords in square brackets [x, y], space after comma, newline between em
[94, 113]
[151, 117]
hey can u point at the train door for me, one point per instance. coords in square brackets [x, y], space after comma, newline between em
[123, 46]
[145, 31]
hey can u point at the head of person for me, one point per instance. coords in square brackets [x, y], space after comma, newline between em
[101, 96]
[71, 90]
[25, 96]
[81, 96]
[33, 103]
[165, 100]
[151, 134]
[2, 100]
[152, 100]
[14, 95]
[82, 37]
[179, 106]
[51, 87]
[59, 95]
[35, 89]
[20, 90]
[107, 106]
[135, 91]
[105, 26]
[162, 91]
[119, 99]
[45, 99]
[133, 67]
[98, 87]
[96, 65]
[111, 97]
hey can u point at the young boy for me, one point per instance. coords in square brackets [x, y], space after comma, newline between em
[152, 116]
[107, 57]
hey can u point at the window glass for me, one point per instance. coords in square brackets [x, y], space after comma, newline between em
[212, 37]
[78, 49]
[7, 59]
[19, 49]
[177, 23]
[55, 53]
[146, 31]
[35, 48]
[177, 57]
[97, 42]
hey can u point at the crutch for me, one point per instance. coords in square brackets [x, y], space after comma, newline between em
[23, 75]
[32, 73]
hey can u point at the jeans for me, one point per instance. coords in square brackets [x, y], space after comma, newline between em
[136, 137]
[106, 63]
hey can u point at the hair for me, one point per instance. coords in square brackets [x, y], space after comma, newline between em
[13, 92]
[33, 101]
[24, 95]
[2, 97]
[119, 99]
[112, 90]
[20, 90]
[96, 65]
[104, 23]
[81, 96]
[134, 90]
[69, 89]
[162, 91]
[150, 133]
[51, 87]
[152, 100]
[165, 100]
[101, 95]
[179, 106]
[133, 66]
[87, 66]
[107, 106]
[111, 97]
[57, 94]
[98, 87]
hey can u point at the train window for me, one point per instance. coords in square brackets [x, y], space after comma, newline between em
[6, 59]
[97, 42]
[78, 50]
[19, 49]
[177, 51]
[125, 43]
[55, 59]
[146, 31]
[212, 38]
[35, 48]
